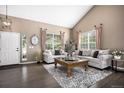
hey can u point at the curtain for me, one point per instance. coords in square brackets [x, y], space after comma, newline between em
[62, 39]
[98, 36]
[43, 39]
[78, 39]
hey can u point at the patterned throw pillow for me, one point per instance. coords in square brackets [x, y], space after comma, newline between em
[62, 52]
[57, 52]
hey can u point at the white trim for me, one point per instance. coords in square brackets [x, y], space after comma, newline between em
[30, 62]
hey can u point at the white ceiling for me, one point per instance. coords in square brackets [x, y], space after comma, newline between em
[66, 16]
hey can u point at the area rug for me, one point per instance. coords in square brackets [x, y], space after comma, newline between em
[80, 77]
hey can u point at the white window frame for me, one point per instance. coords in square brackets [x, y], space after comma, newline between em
[53, 38]
[88, 42]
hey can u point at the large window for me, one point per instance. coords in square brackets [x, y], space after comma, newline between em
[53, 41]
[88, 40]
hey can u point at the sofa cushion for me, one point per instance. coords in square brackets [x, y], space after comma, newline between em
[91, 59]
[105, 57]
[48, 52]
[95, 54]
[86, 52]
[92, 52]
[104, 52]
[57, 52]
[101, 62]
[53, 52]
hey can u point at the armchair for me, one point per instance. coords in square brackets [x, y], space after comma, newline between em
[48, 57]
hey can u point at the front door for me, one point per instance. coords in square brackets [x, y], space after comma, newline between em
[10, 48]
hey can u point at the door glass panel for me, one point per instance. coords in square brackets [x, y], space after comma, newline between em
[24, 47]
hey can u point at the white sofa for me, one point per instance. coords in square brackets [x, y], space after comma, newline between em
[48, 56]
[102, 61]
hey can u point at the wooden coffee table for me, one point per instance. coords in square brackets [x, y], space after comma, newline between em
[71, 64]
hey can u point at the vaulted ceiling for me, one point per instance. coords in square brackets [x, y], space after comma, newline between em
[66, 16]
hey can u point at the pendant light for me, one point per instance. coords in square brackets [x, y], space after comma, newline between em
[7, 21]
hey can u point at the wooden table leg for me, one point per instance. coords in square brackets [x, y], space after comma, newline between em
[116, 65]
[86, 66]
[112, 63]
[55, 64]
[68, 71]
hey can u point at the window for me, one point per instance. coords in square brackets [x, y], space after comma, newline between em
[88, 40]
[53, 41]
[49, 39]
[57, 42]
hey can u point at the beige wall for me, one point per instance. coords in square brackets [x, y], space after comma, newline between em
[30, 28]
[112, 18]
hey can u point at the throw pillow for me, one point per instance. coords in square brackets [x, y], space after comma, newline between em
[80, 53]
[95, 54]
[92, 52]
[57, 52]
[62, 52]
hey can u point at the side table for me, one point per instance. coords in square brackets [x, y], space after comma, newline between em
[114, 64]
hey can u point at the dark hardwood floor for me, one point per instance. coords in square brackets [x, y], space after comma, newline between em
[35, 76]
[27, 76]
[116, 80]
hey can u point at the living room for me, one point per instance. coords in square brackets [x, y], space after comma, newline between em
[52, 52]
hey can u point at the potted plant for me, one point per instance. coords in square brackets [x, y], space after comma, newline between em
[70, 47]
[117, 53]
[37, 57]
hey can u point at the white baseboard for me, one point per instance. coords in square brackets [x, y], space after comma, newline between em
[30, 62]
